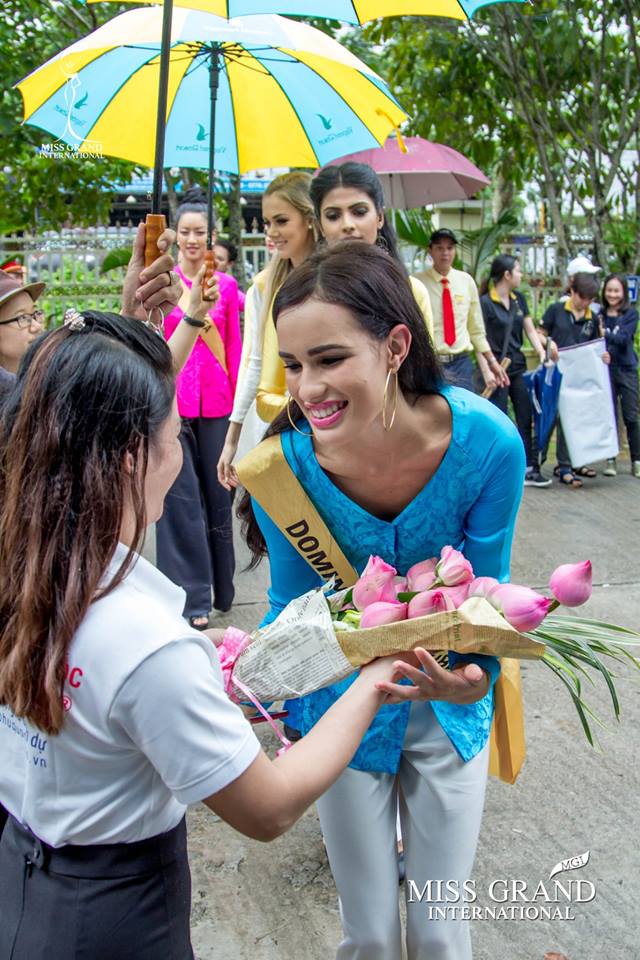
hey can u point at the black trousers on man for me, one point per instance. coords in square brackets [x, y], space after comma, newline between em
[194, 536]
[523, 411]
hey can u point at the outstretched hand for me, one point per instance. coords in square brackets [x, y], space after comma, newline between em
[467, 683]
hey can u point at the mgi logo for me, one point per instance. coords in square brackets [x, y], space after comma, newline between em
[510, 899]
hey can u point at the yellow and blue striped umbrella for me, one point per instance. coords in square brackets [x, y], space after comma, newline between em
[349, 11]
[289, 95]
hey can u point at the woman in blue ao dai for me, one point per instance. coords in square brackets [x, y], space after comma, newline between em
[399, 475]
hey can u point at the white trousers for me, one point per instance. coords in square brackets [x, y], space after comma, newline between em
[441, 800]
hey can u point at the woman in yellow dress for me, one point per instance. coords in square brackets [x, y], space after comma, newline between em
[289, 224]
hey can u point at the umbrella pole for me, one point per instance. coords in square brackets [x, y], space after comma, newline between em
[214, 82]
[155, 222]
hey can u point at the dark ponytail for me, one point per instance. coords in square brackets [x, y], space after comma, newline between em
[368, 283]
[503, 263]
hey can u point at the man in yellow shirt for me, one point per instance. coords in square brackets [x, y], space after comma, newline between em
[457, 318]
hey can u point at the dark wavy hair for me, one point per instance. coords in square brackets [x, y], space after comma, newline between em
[363, 279]
[358, 176]
[83, 400]
[625, 291]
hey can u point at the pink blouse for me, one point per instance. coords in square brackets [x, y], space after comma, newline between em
[203, 388]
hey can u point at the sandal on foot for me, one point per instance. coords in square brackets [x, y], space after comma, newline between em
[569, 480]
[199, 622]
[585, 472]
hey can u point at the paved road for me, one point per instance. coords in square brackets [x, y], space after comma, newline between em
[262, 902]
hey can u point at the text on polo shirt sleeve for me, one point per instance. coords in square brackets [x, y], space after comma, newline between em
[175, 710]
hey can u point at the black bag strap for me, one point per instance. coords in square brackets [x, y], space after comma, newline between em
[509, 328]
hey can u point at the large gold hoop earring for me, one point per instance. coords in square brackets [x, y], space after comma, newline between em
[387, 426]
[291, 421]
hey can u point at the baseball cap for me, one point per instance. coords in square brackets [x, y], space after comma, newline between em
[442, 234]
[581, 265]
[9, 287]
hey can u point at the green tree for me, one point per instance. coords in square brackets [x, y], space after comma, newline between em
[35, 191]
[542, 92]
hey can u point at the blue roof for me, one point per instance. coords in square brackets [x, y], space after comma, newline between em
[142, 185]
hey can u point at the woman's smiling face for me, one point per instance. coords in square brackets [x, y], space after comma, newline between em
[288, 229]
[347, 213]
[192, 236]
[614, 293]
[335, 370]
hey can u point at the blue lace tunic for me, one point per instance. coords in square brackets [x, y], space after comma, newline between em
[471, 502]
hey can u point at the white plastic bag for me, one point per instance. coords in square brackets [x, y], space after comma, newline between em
[586, 405]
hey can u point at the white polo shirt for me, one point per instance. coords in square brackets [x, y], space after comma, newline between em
[148, 727]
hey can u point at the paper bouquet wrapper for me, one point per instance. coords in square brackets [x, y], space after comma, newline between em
[302, 651]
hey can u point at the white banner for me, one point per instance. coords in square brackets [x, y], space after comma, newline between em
[586, 404]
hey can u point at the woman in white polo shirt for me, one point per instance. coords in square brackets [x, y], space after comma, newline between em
[112, 711]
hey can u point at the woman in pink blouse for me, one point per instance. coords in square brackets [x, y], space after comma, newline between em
[194, 538]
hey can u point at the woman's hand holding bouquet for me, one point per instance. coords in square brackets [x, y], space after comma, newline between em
[438, 606]
[466, 683]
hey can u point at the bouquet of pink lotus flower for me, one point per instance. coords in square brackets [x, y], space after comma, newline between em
[566, 644]
[439, 605]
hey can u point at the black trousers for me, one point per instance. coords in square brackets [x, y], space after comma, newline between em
[194, 536]
[624, 386]
[523, 411]
[121, 901]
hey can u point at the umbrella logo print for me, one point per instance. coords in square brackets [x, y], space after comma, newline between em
[201, 134]
[71, 140]
[327, 122]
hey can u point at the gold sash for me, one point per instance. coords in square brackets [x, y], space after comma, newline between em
[268, 477]
[209, 333]
[211, 336]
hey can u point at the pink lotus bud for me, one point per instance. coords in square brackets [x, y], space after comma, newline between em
[430, 601]
[458, 594]
[571, 583]
[523, 608]
[400, 585]
[483, 587]
[422, 575]
[373, 589]
[376, 584]
[378, 565]
[453, 568]
[380, 613]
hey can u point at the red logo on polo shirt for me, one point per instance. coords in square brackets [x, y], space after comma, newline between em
[73, 675]
[66, 703]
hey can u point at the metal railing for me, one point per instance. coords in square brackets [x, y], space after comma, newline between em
[70, 263]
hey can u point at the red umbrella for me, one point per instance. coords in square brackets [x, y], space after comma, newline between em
[426, 173]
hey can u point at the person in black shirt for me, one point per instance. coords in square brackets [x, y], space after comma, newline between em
[506, 319]
[568, 323]
[619, 325]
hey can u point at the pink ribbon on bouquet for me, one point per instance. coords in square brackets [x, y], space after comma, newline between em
[235, 642]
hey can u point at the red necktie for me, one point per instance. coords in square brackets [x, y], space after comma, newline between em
[448, 319]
